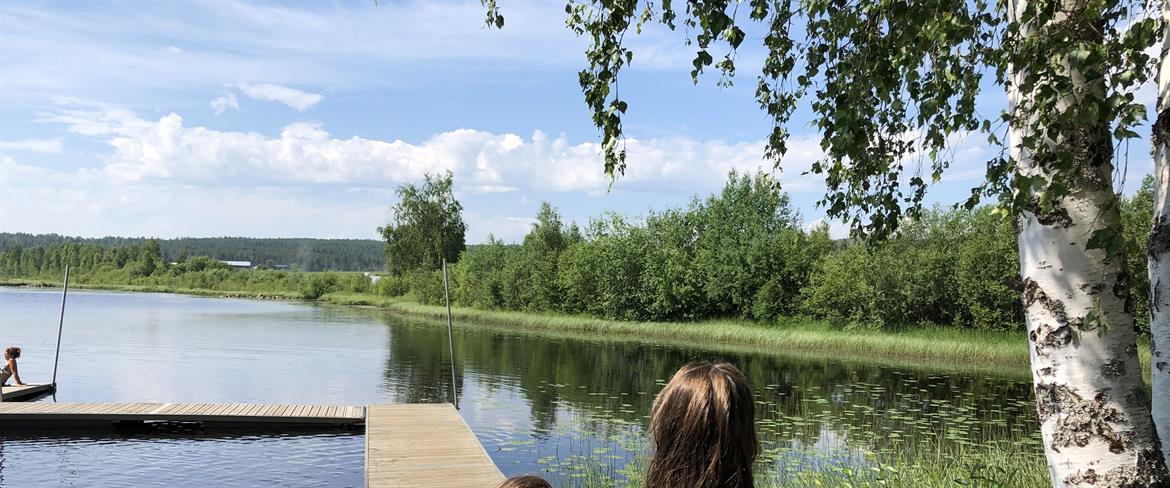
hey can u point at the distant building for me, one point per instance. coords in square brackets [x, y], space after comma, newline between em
[238, 264]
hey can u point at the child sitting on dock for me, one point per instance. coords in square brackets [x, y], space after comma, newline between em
[703, 429]
[9, 369]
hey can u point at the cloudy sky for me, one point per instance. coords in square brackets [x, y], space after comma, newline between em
[298, 120]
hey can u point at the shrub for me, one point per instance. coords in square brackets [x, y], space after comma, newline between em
[318, 284]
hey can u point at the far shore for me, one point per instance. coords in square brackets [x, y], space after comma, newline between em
[947, 348]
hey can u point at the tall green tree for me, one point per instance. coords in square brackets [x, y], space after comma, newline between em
[889, 83]
[426, 226]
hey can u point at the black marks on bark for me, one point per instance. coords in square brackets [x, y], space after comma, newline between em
[1057, 217]
[1148, 472]
[1121, 288]
[1155, 297]
[1047, 337]
[1161, 366]
[1044, 371]
[1161, 132]
[1079, 421]
[1086, 477]
[1113, 369]
[1033, 294]
[1159, 240]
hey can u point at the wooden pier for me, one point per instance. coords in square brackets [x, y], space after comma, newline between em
[40, 415]
[11, 393]
[429, 445]
[407, 445]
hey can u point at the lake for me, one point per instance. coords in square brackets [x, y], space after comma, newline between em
[572, 409]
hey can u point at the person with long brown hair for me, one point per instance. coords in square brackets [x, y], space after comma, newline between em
[703, 428]
[525, 482]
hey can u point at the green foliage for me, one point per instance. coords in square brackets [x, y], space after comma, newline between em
[426, 285]
[139, 266]
[427, 226]
[391, 286]
[890, 84]
[1137, 219]
[950, 268]
[742, 253]
[318, 285]
[300, 254]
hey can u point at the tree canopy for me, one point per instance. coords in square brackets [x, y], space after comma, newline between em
[891, 84]
[426, 226]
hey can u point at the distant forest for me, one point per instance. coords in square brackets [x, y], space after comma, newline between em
[300, 254]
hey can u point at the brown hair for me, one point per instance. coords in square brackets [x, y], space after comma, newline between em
[703, 428]
[525, 482]
[12, 352]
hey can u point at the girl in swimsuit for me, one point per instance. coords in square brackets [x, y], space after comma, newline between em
[9, 369]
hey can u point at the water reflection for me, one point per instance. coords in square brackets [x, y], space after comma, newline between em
[573, 408]
[565, 397]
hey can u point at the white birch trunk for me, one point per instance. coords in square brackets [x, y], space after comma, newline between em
[1158, 248]
[1092, 403]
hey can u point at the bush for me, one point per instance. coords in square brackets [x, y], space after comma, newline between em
[318, 284]
[391, 286]
[426, 286]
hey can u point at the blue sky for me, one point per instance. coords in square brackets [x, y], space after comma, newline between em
[218, 118]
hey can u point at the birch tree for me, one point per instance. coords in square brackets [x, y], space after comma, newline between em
[891, 83]
[1158, 248]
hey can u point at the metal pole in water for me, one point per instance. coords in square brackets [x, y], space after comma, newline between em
[60, 325]
[450, 335]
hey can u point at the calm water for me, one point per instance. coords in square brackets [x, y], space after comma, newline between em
[571, 409]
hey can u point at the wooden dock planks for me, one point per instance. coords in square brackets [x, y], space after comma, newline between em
[428, 445]
[14, 393]
[34, 414]
[407, 445]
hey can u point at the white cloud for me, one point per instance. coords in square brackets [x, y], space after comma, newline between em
[292, 97]
[222, 104]
[32, 145]
[90, 203]
[49, 48]
[483, 162]
[837, 229]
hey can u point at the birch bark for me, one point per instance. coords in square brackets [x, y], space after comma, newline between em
[1091, 400]
[1158, 248]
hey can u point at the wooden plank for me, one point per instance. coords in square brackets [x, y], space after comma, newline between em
[12, 393]
[424, 446]
[16, 413]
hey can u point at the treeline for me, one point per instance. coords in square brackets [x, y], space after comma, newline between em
[143, 265]
[301, 254]
[743, 253]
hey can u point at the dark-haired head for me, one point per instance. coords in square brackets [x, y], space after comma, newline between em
[12, 352]
[704, 430]
[525, 482]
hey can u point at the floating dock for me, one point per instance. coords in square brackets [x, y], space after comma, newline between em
[428, 445]
[39, 415]
[11, 393]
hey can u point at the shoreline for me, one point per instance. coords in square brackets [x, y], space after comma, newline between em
[947, 348]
